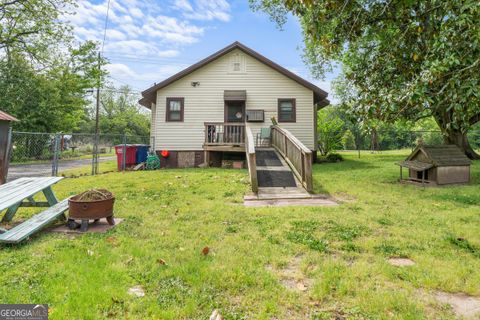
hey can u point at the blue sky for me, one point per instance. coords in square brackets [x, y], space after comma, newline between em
[147, 41]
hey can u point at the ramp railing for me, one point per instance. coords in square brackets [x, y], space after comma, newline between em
[251, 158]
[295, 153]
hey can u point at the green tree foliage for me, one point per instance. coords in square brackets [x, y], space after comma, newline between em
[330, 131]
[52, 99]
[33, 27]
[401, 59]
[44, 74]
[120, 113]
[348, 140]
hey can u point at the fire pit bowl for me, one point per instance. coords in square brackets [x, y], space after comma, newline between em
[90, 205]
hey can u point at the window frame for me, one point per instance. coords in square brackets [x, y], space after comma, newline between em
[294, 109]
[167, 111]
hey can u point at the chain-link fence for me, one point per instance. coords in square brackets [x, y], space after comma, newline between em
[47, 154]
[385, 140]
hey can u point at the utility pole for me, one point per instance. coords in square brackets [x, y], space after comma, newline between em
[97, 116]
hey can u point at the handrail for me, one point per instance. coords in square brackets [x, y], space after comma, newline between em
[237, 124]
[295, 153]
[251, 159]
[221, 133]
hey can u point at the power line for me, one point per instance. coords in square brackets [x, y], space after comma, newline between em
[106, 24]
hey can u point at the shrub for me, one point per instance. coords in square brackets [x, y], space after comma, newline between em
[334, 157]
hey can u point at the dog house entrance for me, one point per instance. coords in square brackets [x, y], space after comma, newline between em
[420, 175]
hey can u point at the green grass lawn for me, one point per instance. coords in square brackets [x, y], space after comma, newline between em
[264, 263]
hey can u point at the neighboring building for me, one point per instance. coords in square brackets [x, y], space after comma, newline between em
[5, 144]
[437, 165]
[205, 108]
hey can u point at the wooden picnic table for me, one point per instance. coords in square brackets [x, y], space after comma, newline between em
[13, 196]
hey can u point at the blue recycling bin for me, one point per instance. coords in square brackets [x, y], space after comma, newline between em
[142, 153]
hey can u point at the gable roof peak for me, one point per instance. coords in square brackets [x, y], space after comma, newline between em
[149, 95]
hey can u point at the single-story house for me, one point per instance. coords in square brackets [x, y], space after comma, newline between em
[203, 110]
[437, 165]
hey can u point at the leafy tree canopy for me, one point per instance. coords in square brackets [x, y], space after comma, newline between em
[33, 27]
[401, 59]
[53, 99]
[120, 113]
[44, 73]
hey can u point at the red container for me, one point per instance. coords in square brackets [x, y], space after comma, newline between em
[130, 156]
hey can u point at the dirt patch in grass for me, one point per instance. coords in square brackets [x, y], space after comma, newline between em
[291, 276]
[462, 305]
[343, 197]
[401, 262]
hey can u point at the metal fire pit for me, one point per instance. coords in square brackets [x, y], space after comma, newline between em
[89, 210]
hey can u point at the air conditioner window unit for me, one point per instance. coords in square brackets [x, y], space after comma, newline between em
[255, 115]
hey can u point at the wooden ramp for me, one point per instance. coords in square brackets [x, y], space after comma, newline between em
[281, 175]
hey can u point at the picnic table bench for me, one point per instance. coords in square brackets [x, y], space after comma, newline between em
[12, 197]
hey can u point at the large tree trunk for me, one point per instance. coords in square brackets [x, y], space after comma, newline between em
[454, 136]
[460, 139]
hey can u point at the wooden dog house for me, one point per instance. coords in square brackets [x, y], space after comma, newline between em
[5, 120]
[437, 165]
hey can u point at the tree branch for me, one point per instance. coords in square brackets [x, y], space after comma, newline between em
[475, 119]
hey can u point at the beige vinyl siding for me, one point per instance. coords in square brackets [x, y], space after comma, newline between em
[153, 123]
[205, 102]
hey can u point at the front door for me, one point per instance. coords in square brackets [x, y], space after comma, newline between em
[234, 111]
[234, 130]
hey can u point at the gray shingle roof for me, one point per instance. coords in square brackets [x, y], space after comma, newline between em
[442, 155]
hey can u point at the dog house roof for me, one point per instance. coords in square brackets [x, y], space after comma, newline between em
[441, 155]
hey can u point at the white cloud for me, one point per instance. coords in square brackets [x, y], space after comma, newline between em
[133, 47]
[170, 29]
[182, 5]
[204, 9]
[168, 53]
[114, 34]
[145, 28]
[142, 79]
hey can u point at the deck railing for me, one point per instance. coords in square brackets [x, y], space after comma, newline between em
[296, 154]
[251, 159]
[220, 133]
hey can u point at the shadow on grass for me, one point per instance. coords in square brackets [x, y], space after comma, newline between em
[344, 165]
[467, 199]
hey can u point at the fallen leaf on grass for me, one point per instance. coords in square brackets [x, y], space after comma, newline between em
[112, 240]
[205, 251]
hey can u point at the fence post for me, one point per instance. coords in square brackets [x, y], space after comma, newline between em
[8, 155]
[56, 145]
[124, 152]
[152, 144]
[94, 156]
[357, 142]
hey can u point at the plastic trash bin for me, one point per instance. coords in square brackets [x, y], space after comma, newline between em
[142, 153]
[130, 155]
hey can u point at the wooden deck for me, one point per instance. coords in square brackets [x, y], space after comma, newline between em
[225, 137]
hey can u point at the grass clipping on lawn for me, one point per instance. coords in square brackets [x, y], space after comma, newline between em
[94, 195]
